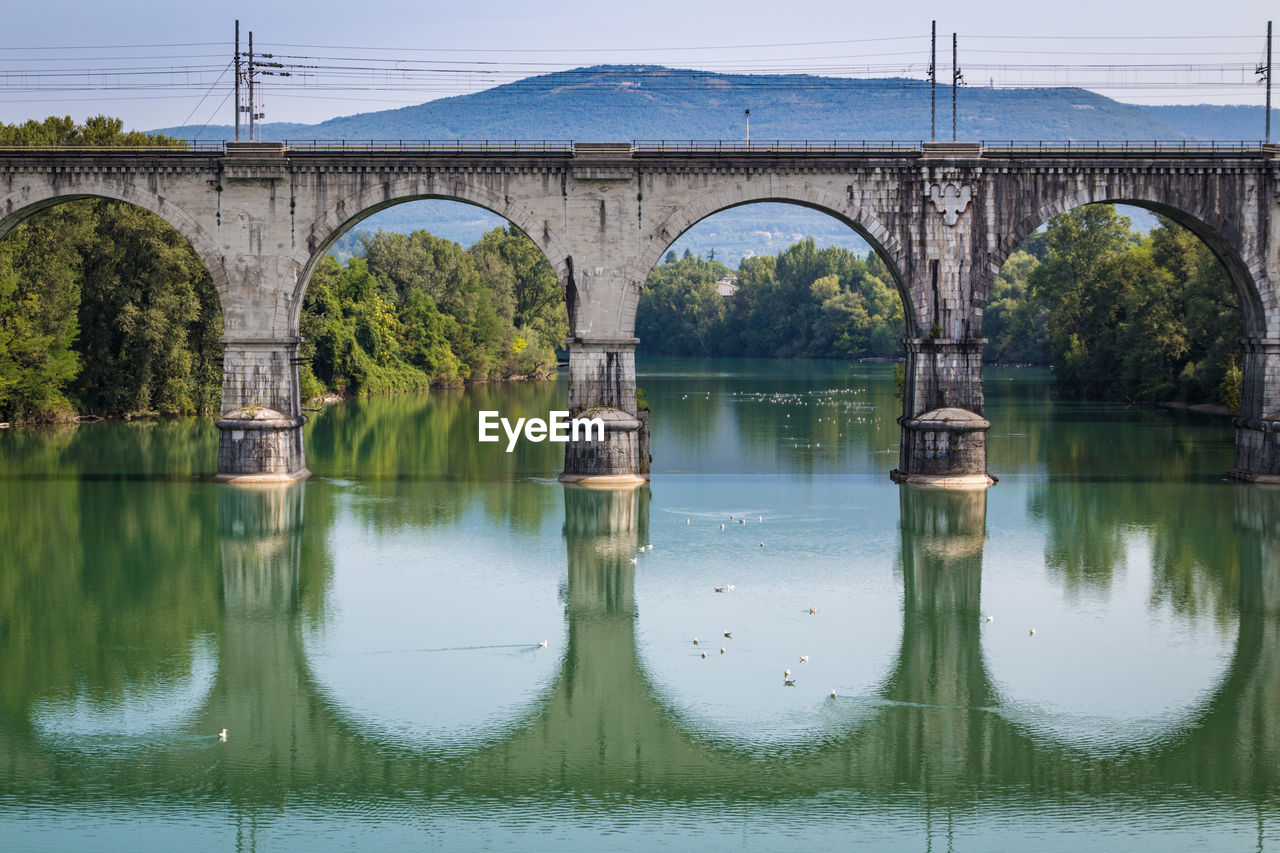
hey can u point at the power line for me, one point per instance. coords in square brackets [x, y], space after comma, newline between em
[589, 51]
[206, 94]
[118, 46]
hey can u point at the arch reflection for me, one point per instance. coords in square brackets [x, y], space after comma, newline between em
[934, 728]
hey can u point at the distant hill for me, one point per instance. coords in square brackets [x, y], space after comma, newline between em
[651, 102]
[1207, 121]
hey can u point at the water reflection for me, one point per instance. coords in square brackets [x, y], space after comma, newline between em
[943, 722]
[324, 626]
[603, 716]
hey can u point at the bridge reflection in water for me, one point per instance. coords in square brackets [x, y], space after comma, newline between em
[937, 734]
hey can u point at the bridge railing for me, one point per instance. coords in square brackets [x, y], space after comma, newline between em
[374, 146]
[181, 146]
[1119, 146]
[642, 147]
[755, 146]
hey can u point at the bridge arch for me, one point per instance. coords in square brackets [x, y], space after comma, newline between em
[1221, 235]
[658, 240]
[19, 206]
[357, 206]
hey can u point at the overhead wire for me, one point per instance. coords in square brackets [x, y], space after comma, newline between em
[206, 94]
[336, 70]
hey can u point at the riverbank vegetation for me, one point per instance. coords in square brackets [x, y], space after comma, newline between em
[1120, 315]
[104, 308]
[413, 311]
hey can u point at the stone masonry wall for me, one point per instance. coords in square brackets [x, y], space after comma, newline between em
[943, 216]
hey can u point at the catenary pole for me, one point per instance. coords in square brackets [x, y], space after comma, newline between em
[237, 63]
[955, 84]
[933, 83]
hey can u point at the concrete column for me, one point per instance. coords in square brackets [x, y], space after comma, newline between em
[602, 384]
[1258, 426]
[261, 424]
[944, 435]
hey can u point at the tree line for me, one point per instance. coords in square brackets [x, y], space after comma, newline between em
[805, 302]
[414, 311]
[1120, 315]
[104, 308]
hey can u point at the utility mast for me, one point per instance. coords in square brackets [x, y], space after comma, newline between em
[254, 69]
[956, 79]
[237, 79]
[253, 108]
[933, 83]
[1267, 78]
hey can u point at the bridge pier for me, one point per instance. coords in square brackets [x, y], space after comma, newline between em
[944, 435]
[1258, 425]
[260, 430]
[602, 384]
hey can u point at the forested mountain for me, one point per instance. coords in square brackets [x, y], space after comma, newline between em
[628, 102]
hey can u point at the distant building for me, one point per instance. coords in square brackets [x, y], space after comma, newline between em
[727, 286]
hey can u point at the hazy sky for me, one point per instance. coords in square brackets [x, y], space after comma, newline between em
[460, 47]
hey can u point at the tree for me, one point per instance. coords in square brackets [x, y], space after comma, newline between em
[103, 307]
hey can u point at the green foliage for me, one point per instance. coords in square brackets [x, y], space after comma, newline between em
[103, 307]
[806, 302]
[1130, 317]
[681, 307]
[1016, 327]
[97, 131]
[38, 328]
[415, 311]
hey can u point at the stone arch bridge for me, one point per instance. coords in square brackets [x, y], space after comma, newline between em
[944, 216]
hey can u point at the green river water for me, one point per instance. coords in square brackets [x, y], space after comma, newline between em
[1084, 656]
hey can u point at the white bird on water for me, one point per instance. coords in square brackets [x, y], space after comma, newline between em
[222, 736]
[833, 694]
[542, 644]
